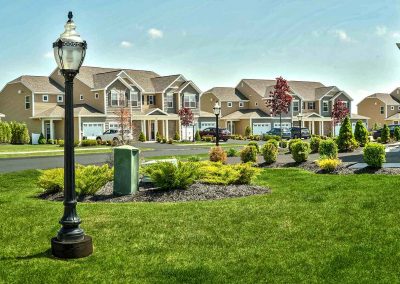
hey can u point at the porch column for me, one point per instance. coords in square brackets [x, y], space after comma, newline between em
[312, 127]
[42, 119]
[155, 127]
[144, 127]
[166, 130]
[51, 129]
[322, 128]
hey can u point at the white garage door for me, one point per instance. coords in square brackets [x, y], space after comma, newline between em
[284, 125]
[204, 125]
[92, 130]
[261, 128]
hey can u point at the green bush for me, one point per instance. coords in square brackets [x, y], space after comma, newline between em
[5, 132]
[247, 131]
[142, 137]
[217, 173]
[249, 154]
[361, 133]
[283, 144]
[193, 159]
[208, 138]
[170, 141]
[232, 152]
[89, 142]
[168, 176]
[328, 149]
[246, 173]
[385, 134]
[60, 142]
[158, 137]
[197, 137]
[50, 141]
[269, 152]
[292, 141]
[397, 133]
[19, 133]
[273, 141]
[300, 151]
[345, 140]
[328, 164]
[267, 137]
[164, 140]
[177, 137]
[374, 155]
[88, 180]
[254, 144]
[42, 140]
[217, 154]
[314, 144]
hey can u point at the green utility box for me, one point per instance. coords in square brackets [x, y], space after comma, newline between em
[126, 170]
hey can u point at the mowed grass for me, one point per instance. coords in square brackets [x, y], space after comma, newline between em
[311, 228]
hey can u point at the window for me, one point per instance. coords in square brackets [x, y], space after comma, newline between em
[60, 99]
[382, 110]
[45, 98]
[189, 100]
[81, 97]
[114, 98]
[134, 98]
[96, 96]
[170, 100]
[398, 108]
[392, 108]
[303, 105]
[345, 104]
[27, 102]
[325, 106]
[295, 105]
[241, 104]
[150, 99]
[311, 105]
[229, 104]
[256, 104]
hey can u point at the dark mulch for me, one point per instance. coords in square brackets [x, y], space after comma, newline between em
[195, 192]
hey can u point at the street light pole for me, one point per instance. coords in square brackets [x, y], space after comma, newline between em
[217, 111]
[71, 241]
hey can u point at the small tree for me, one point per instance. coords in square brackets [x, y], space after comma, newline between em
[346, 141]
[247, 131]
[124, 116]
[376, 126]
[186, 116]
[397, 133]
[280, 100]
[385, 134]
[197, 137]
[361, 133]
[41, 140]
[142, 138]
[176, 136]
[339, 112]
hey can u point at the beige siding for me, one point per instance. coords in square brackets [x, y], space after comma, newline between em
[370, 107]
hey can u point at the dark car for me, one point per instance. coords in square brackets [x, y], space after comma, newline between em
[224, 133]
[277, 131]
[295, 132]
[377, 133]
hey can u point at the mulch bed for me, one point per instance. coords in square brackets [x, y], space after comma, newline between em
[195, 192]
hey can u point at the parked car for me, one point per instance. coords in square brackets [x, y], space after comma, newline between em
[224, 134]
[277, 131]
[115, 136]
[295, 132]
[377, 133]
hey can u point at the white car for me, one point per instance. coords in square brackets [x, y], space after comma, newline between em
[115, 136]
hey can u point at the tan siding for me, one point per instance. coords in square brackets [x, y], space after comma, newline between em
[241, 126]
[207, 102]
[370, 107]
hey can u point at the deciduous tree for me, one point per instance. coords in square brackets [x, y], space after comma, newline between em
[339, 112]
[186, 116]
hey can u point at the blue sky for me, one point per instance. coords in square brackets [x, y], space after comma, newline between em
[350, 44]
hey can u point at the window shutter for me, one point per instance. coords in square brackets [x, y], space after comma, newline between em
[109, 98]
[148, 99]
[154, 100]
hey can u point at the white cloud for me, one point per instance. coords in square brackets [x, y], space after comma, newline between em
[125, 44]
[155, 33]
[342, 36]
[396, 35]
[49, 54]
[380, 30]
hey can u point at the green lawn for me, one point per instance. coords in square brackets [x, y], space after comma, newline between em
[311, 228]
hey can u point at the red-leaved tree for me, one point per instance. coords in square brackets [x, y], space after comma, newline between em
[186, 116]
[280, 99]
[339, 112]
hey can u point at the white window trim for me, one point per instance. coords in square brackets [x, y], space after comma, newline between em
[29, 102]
[241, 104]
[398, 107]
[325, 104]
[58, 98]
[116, 93]
[170, 99]
[187, 100]
[229, 104]
[313, 105]
[96, 96]
[256, 104]
[81, 98]
[45, 98]
[380, 110]
[298, 105]
[151, 100]
[392, 108]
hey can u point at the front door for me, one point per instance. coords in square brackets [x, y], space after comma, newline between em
[47, 135]
[152, 129]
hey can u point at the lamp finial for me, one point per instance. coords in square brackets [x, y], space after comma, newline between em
[70, 16]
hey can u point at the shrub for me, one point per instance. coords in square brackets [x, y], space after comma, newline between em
[397, 133]
[300, 151]
[19, 133]
[374, 155]
[249, 154]
[170, 141]
[42, 140]
[345, 140]
[168, 176]
[283, 144]
[217, 173]
[197, 136]
[158, 137]
[142, 138]
[193, 159]
[232, 152]
[361, 133]
[177, 137]
[217, 154]
[50, 141]
[246, 173]
[5, 132]
[247, 131]
[257, 137]
[60, 142]
[267, 137]
[164, 140]
[89, 142]
[254, 144]
[88, 179]
[208, 138]
[385, 134]
[291, 142]
[269, 152]
[273, 141]
[328, 164]
[314, 144]
[328, 149]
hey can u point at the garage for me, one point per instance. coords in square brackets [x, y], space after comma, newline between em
[204, 125]
[92, 130]
[261, 128]
[284, 125]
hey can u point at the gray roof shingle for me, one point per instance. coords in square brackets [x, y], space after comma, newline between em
[386, 98]
[39, 84]
[227, 94]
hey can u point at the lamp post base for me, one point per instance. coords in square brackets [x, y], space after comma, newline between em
[76, 249]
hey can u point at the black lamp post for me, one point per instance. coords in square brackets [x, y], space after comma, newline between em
[300, 117]
[69, 52]
[217, 111]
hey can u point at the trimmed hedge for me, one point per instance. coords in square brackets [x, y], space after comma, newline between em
[269, 152]
[5, 132]
[19, 133]
[248, 154]
[328, 149]
[300, 151]
[374, 155]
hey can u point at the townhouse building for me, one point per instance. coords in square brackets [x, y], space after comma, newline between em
[99, 93]
[245, 105]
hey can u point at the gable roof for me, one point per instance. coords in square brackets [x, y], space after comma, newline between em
[385, 98]
[246, 114]
[225, 94]
[162, 82]
[39, 84]
[47, 110]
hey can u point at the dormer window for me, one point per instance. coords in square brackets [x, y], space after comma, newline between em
[45, 98]
[60, 98]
